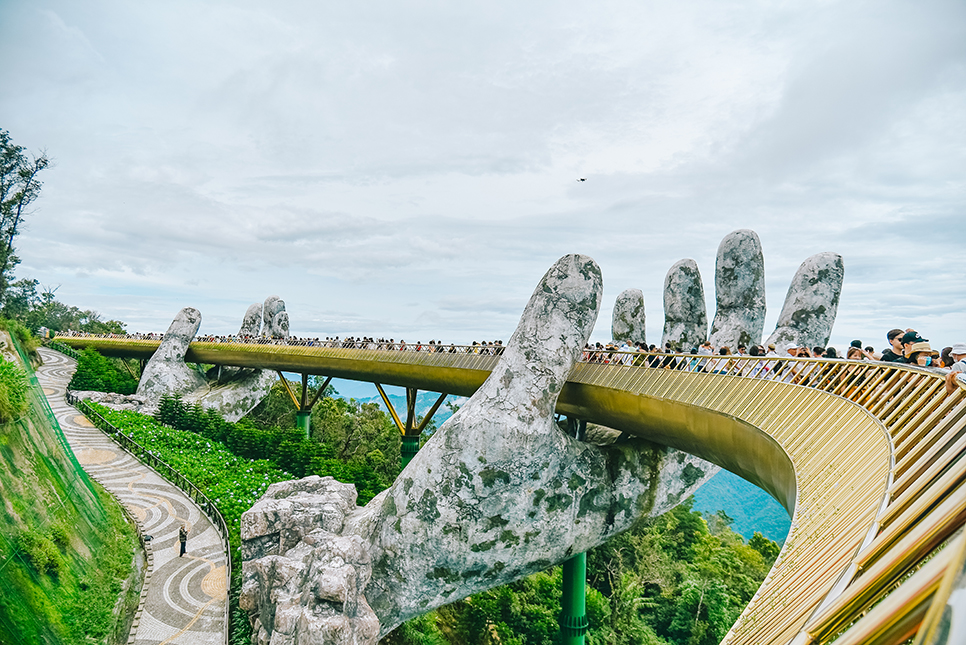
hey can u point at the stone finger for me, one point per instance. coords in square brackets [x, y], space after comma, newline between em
[628, 321]
[811, 303]
[166, 371]
[739, 283]
[685, 311]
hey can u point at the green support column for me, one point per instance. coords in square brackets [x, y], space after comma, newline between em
[303, 421]
[410, 446]
[573, 614]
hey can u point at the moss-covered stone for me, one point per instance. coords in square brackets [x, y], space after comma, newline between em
[691, 474]
[490, 476]
[558, 502]
[482, 546]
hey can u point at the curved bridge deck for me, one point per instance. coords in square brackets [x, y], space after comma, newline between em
[867, 457]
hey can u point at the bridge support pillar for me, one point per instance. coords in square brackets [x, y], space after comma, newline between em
[303, 421]
[411, 431]
[303, 416]
[410, 446]
[573, 614]
[573, 602]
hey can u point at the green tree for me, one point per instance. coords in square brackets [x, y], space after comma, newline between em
[19, 188]
[36, 310]
[102, 374]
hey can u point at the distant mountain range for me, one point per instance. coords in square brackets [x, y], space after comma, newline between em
[751, 508]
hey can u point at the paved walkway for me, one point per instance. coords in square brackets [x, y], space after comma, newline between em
[186, 596]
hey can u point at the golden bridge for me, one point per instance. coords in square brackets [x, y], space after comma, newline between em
[866, 457]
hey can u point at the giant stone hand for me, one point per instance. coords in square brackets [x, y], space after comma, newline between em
[806, 318]
[497, 493]
[232, 391]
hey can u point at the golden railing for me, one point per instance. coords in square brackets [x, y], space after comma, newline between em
[866, 456]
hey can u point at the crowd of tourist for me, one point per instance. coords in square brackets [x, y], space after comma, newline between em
[905, 346]
[494, 348]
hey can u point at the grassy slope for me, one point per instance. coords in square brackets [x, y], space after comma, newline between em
[66, 548]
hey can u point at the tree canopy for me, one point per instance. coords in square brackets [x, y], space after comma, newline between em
[35, 310]
[19, 188]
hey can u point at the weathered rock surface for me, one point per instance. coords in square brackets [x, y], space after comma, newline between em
[628, 320]
[280, 325]
[130, 402]
[274, 318]
[497, 493]
[302, 580]
[236, 396]
[289, 510]
[234, 391]
[811, 303]
[739, 283]
[685, 312]
[166, 372]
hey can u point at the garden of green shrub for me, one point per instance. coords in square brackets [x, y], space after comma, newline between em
[98, 373]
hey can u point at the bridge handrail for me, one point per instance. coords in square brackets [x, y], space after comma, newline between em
[716, 363]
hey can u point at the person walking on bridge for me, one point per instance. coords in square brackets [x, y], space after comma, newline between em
[893, 354]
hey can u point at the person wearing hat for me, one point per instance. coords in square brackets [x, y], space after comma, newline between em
[922, 354]
[893, 354]
[958, 370]
[909, 339]
[787, 372]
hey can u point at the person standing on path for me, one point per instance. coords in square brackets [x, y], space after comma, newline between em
[183, 538]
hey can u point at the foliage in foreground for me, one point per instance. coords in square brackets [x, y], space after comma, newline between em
[98, 373]
[27, 340]
[13, 391]
[53, 592]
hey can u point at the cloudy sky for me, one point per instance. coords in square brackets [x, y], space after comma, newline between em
[409, 169]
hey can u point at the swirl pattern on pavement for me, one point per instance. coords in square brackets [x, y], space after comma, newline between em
[185, 599]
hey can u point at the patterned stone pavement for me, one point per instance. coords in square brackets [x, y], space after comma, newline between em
[185, 599]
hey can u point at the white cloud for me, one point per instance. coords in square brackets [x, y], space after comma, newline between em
[385, 166]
